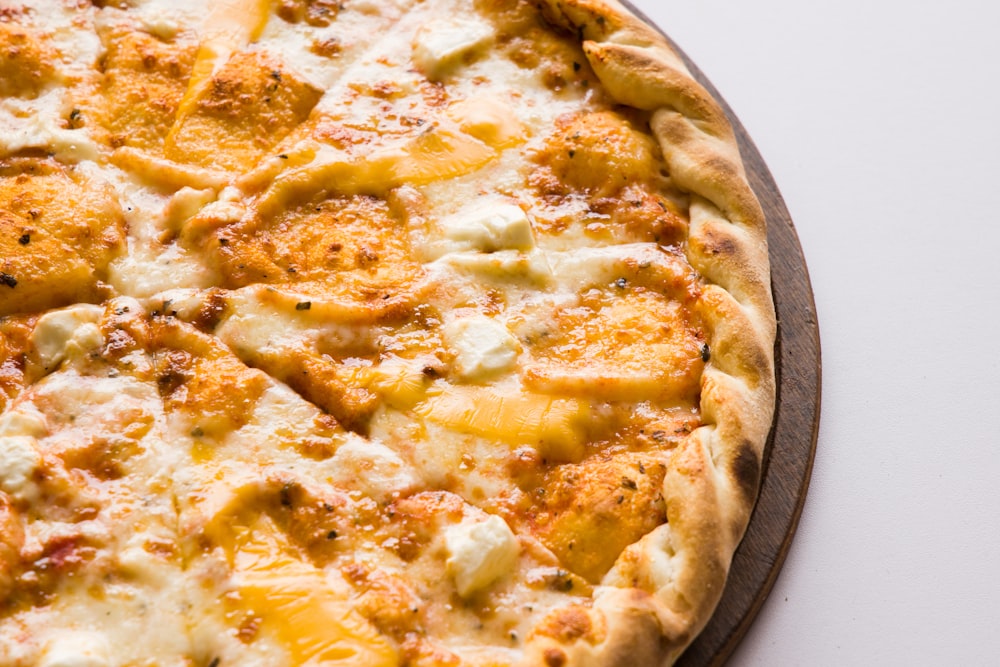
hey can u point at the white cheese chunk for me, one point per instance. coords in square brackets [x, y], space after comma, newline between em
[19, 459]
[372, 468]
[38, 123]
[67, 332]
[483, 347]
[185, 203]
[160, 23]
[77, 649]
[441, 45]
[480, 553]
[24, 420]
[489, 227]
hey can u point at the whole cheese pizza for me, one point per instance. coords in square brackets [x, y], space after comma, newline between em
[369, 332]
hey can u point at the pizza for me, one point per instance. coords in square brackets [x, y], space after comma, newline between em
[369, 332]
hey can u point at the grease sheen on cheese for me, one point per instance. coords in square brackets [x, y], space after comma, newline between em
[400, 515]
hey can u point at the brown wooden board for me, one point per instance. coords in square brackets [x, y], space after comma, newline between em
[788, 456]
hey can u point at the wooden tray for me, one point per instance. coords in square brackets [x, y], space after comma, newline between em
[788, 456]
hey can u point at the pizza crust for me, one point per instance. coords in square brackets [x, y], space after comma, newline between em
[663, 589]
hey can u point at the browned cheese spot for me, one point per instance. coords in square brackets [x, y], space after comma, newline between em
[247, 107]
[596, 153]
[144, 81]
[629, 345]
[348, 251]
[15, 343]
[26, 62]
[318, 13]
[591, 511]
[76, 228]
[200, 378]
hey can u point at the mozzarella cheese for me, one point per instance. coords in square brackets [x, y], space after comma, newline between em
[441, 45]
[479, 553]
[316, 396]
[38, 124]
[372, 468]
[23, 421]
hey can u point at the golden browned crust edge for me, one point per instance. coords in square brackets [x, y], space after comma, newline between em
[664, 588]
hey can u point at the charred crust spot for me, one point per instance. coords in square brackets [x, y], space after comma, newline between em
[715, 243]
[8, 280]
[746, 469]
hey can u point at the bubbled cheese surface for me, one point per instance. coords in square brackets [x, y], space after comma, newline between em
[331, 333]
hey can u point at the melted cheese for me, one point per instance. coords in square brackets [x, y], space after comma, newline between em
[77, 649]
[308, 613]
[372, 468]
[355, 343]
[441, 45]
[228, 25]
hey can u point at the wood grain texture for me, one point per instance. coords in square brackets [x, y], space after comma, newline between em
[790, 449]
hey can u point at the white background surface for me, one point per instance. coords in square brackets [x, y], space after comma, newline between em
[880, 121]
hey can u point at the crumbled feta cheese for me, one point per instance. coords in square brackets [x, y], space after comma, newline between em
[490, 227]
[483, 347]
[24, 420]
[372, 467]
[480, 553]
[19, 459]
[441, 45]
[160, 24]
[76, 649]
[66, 332]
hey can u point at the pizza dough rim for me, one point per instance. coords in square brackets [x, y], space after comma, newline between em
[663, 589]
